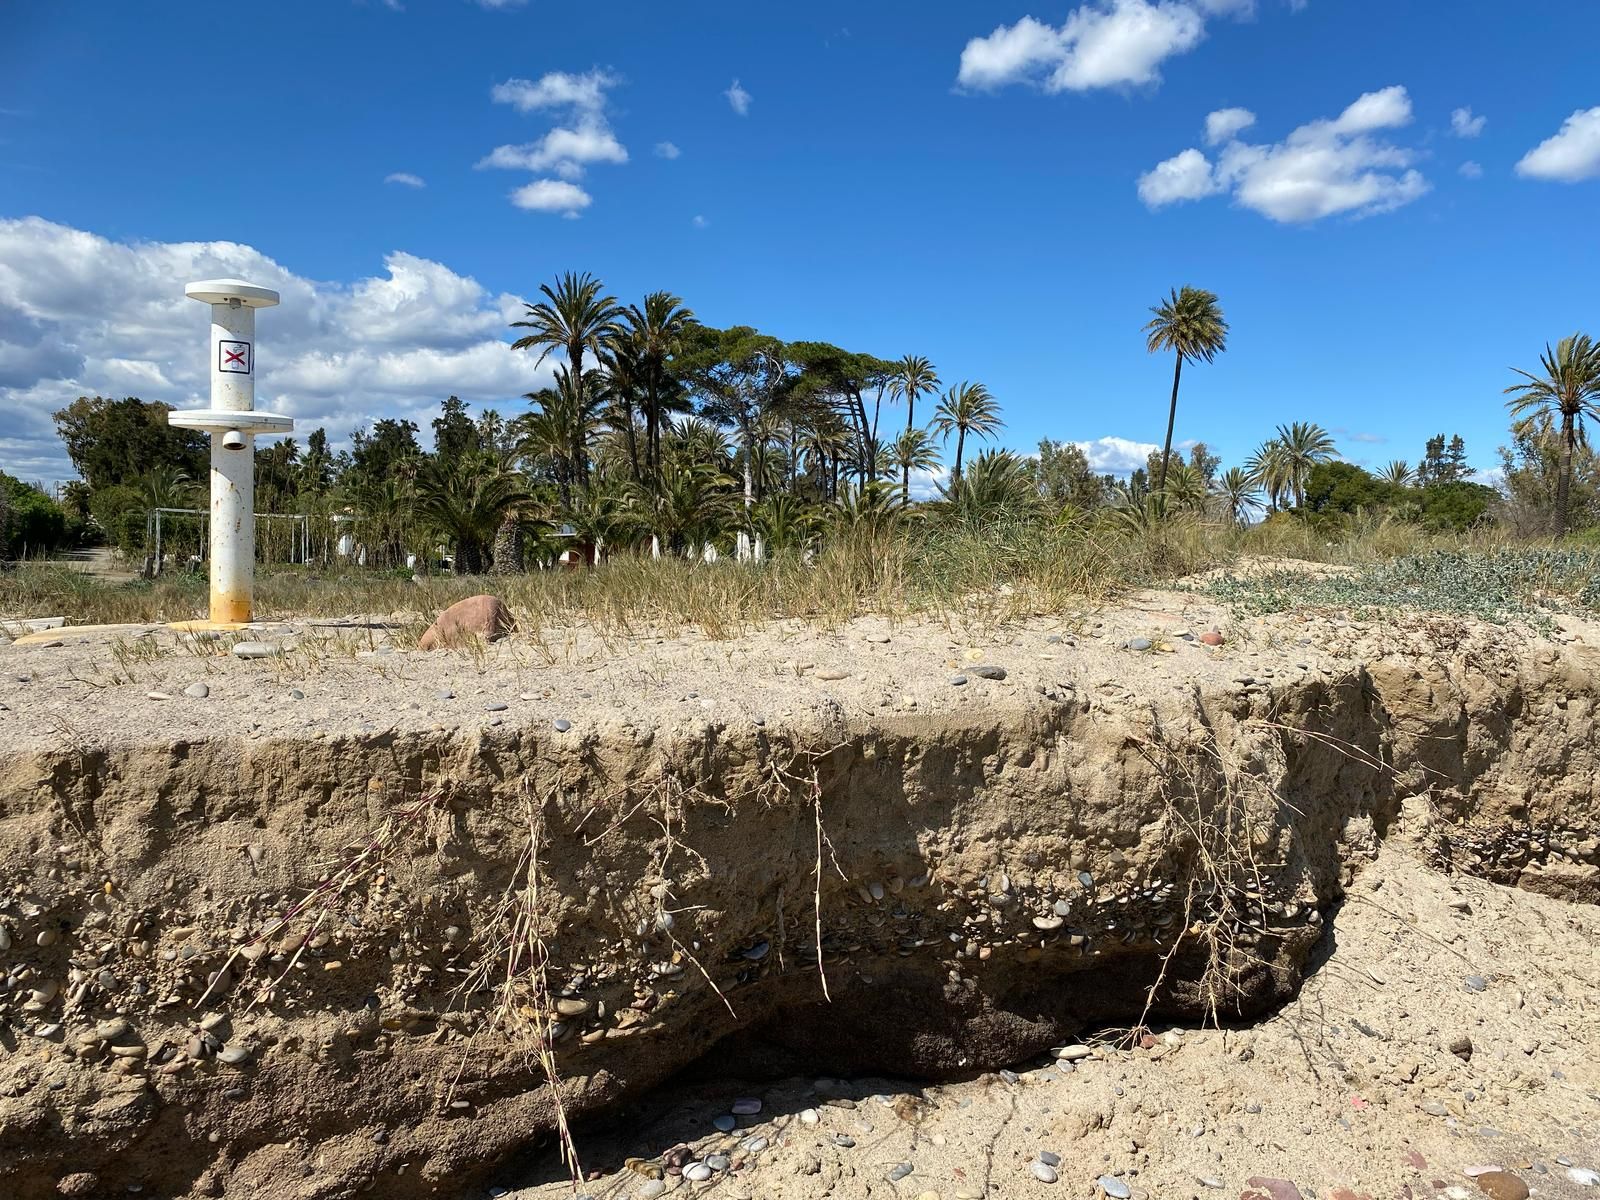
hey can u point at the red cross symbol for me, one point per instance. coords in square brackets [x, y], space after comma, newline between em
[235, 356]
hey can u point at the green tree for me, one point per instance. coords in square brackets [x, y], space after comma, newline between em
[575, 317]
[116, 441]
[912, 451]
[657, 331]
[455, 435]
[1566, 389]
[316, 464]
[466, 502]
[1065, 478]
[970, 411]
[1398, 473]
[1190, 324]
[913, 376]
[1531, 468]
[31, 523]
[1303, 445]
[1239, 493]
[740, 375]
[1342, 487]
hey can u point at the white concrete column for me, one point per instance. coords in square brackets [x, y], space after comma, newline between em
[233, 465]
[232, 423]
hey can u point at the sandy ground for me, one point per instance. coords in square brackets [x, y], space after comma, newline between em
[1353, 1086]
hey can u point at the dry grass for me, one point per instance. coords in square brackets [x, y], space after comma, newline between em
[964, 575]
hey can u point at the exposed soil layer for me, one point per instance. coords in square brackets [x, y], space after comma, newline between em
[287, 938]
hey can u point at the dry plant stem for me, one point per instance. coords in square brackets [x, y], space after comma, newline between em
[816, 808]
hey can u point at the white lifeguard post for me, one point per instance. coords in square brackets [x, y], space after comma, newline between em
[232, 423]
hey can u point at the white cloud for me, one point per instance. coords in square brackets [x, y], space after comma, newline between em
[1227, 123]
[83, 315]
[1571, 155]
[1464, 125]
[699, 222]
[552, 195]
[667, 150]
[1185, 176]
[738, 98]
[556, 90]
[564, 151]
[406, 179]
[1104, 43]
[1116, 455]
[1470, 170]
[1321, 169]
[501, 5]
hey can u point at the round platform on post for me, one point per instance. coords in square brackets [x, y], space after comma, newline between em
[226, 291]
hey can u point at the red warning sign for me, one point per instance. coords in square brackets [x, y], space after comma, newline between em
[233, 358]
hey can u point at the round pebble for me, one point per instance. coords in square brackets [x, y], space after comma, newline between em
[1049, 1158]
[1114, 1187]
[725, 1122]
[958, 681]
[650, 1189]
[257, 650]
[562, 725]
[900, 1172]
[1043, 1172]
[197, 691]
[1139, 644]
[1475, 983]
[697, 1172]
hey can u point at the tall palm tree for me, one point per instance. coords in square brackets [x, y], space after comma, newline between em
[1567, 386]
[656, 331]
[913, 376]
[575, 316]
[1190, 324]
[1305, 444]
[1238, 491]
[969, 409]
[1187, 486]
[1398, 473]
[912, 451]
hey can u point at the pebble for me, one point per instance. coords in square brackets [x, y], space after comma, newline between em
[446, 694]
[900, 1172]
[1043, 1172]
[843, 1140]
[1212, 638]
[1502, 1185]
[296, 694]
[1139, 644]
[234, 1056]
[651, 1189]
[697, 1172]
[562, 725]
[718, 1162]
[497, 706]
[1475, 983]
[157, 696]
[197, 691]
[989, 671]
[257, 650]
[830, 673]
[1050, 1158]
[1584, 1177]
[809, 1116]
[746, 1106]
[1072, 1053]
[958, 681]
[725, 1122]
[1114, 1187]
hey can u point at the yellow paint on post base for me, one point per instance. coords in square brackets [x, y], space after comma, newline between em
[230, 609]
[207, 626]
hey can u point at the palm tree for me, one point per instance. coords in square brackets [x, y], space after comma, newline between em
[1268, 468]
[912, 451]
[1398, 473]
[656, 331]
[574, 316]
[1238, 490]
[1190, 324]
[466, 501]
[913, 376]
[998, 484]
[1304, 444]
[1187, 487]
[967, 408]
[1568, 387]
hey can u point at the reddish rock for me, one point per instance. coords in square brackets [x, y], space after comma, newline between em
[1502, 1185]
[476, 616]
[1211, 638]
[1270, 1189]
[1416, 1160]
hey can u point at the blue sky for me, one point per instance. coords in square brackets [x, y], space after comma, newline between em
[1005, 187]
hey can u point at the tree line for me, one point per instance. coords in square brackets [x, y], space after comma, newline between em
[657, 427]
